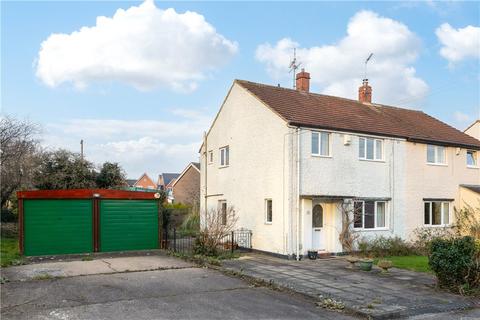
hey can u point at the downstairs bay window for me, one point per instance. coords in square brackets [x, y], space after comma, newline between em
[370, 214]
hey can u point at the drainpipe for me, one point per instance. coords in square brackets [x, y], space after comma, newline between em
[206, 170]
[298, 195]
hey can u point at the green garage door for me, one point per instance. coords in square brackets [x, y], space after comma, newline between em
[128, 225]
[57, 227]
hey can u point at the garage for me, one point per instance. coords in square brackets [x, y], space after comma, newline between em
[53, 222]
[128, 225]
[57, 226]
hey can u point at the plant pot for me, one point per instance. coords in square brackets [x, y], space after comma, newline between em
[385, 265]
[365, 265]
[312, 255]
[352, 260]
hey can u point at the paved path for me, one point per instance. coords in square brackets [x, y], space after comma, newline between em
[399, 294]
[97, 266]
[182, 292]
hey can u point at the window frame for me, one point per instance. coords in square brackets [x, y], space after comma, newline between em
[442, 213]
[365, 152]
[436, 163]
[225, 156]
[475, 159]
[266, 211]
[223, 213]
[319, 146]
[375, 228]
[210, 157]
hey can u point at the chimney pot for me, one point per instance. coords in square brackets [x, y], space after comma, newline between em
[303, 81]
[365, 92]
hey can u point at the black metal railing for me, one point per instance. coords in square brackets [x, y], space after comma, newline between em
[183, 242]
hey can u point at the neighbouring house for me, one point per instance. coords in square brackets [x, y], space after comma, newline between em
[144, 182]
[186, 188]
[292, 162]
[165, 182]
[131, 182]
[474, 129]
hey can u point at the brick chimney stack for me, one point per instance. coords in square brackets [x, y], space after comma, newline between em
[303, 81]
[365, 92]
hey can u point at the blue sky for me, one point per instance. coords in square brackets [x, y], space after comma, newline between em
[143, 97]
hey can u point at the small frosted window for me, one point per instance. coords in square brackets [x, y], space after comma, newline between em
[315, 143]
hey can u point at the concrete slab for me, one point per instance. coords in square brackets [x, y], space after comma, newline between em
[98, 266]
[189, 293]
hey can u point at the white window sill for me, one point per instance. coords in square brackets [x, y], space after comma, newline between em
[221, 167]
[268, 223]
[473, 167]
[371, 229]
[321, 156]
[371, 160]
[437, 225]
[437, 164]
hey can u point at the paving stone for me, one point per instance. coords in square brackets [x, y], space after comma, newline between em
[401, 293]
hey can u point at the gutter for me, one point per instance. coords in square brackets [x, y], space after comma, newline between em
[379, 134]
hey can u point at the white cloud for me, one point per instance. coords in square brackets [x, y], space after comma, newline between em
[338, 68]
[143, 46]
[458, 44]
[138, 145]
[462, 118]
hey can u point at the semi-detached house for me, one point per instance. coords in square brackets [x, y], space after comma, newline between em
[286, 160]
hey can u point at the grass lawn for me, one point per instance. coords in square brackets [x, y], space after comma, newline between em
[413, 263]
[9, 252]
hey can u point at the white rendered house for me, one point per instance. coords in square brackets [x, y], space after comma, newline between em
[287, 159]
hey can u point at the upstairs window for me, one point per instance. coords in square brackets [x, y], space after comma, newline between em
[224, 156]
[436, 213]
[369, 214]
[321, 144]
[472, 158]
[370, 149]
[436, 154]
[268, 211]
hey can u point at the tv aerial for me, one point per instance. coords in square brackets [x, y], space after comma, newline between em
[294, 65]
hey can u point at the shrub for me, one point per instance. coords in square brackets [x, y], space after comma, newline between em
[191, 224]
[8, 215]
[383, 246]
[423, 237]
[467, 222]
[218, 224]
[456, 263]
[363, 246]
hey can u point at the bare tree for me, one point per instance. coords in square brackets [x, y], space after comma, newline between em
[347, 235]
[18, 155]
[218, 224]
[467, 221]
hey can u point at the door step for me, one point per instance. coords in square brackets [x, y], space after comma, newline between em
[324, 255]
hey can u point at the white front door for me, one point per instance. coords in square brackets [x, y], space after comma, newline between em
[317, 228]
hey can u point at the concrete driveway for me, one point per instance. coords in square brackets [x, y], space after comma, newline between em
[171, 289]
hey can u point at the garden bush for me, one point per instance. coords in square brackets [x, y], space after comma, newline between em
[384, 246]
[423, 237]
[456, 263]
[8, 215]
[205, 245]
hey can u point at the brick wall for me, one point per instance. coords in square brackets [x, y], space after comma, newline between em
[187, 189]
